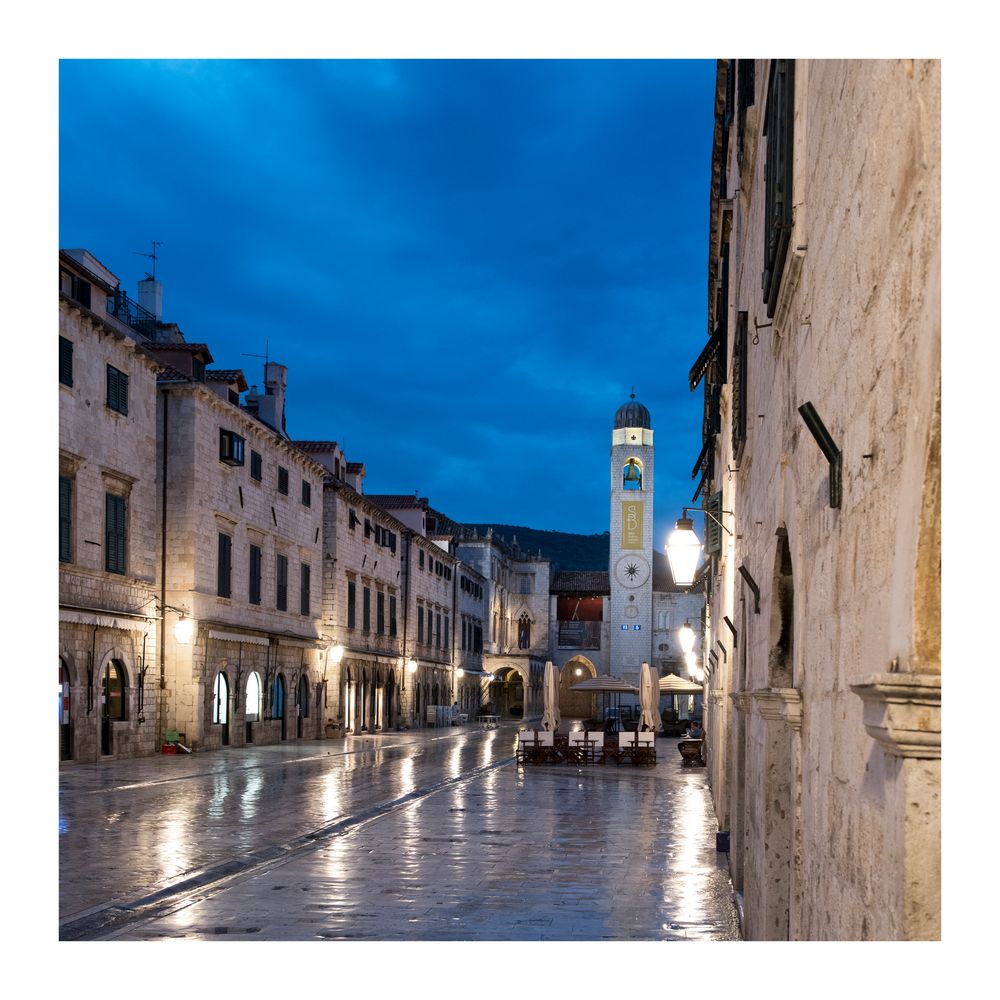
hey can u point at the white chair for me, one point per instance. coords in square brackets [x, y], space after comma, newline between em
[527, 744]
[645, 752]
[595, 743]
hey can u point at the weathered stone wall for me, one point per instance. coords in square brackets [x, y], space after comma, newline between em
[102, 451]
[829, 843]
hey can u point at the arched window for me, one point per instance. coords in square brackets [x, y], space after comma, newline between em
[254, 708]
[632, 475]
[113, 687]
[220, 699]
[524, 632]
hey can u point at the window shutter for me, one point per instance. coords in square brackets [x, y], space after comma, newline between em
[392, 616]
[352, 617]
[114, 533]
[713, 531]
[739, 428]
[65, 361]
[304, 591]
[65, 519]
[255, 561]
[224, 565]
[281, 567]
[778, 130]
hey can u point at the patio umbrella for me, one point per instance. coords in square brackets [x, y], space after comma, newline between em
[649, 698]
[550, 693]
[672, 684]
[608, 685]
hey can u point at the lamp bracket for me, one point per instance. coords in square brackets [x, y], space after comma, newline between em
[752, 584]
[702, 510]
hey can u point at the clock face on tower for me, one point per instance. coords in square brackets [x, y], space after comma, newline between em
[632, 571]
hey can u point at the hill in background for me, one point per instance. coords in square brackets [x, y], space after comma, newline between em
[566, 550]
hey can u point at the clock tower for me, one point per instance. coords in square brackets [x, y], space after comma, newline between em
[631, 550]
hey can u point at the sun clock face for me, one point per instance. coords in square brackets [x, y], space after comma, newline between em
[632, 571]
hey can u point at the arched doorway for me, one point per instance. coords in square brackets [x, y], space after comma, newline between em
[65, 726]
[220, 705]
[507, 693]
[278, 707]
[113, 702]
[576, 704]
[254, 698]
[302, 707]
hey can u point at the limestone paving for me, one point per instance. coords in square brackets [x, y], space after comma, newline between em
[424, 835]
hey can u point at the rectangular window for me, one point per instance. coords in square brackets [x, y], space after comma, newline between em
[353, 520]
[420, 624]
[778, 131]
[306, 493]
[446, 621]
[745, 72]
[421, 558]
[79, 289]
[282, 480]
[256, 466]
[304, 595]
[114, 533]
[392, 616]
[254, 588]
[117, 398]
[380, 613]
[366, 610]
[225, 566]
[231, 447]
[65, 361]
[65, 519]
[437, 631]
[352, 616]
[281, 578]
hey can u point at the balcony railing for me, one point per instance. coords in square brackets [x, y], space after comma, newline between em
[132, 314]
[580, 635]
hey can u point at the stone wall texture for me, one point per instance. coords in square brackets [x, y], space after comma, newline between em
[834, 816]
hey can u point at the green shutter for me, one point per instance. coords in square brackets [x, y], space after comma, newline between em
[713, 530]
[65, 361]
[114, 533]
[65, 519]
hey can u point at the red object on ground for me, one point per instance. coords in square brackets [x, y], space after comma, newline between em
[168, 748]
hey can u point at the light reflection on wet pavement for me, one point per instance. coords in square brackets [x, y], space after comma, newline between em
[477, 850]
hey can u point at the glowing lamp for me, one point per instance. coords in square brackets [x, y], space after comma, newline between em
[683, 551]
[184, 629]
[411, 666]
[686, 636]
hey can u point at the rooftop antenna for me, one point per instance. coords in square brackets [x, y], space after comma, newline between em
[151, 256]
[267, 348]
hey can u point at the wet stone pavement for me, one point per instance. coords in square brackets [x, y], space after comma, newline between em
[427, 835]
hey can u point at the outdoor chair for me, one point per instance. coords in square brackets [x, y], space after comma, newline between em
[595, 745]
[626, 746]
[645, 749]
[579, 750]
[546, 748]
[527, 745]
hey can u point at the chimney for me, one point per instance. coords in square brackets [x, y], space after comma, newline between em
[275, 380]
[151, 296]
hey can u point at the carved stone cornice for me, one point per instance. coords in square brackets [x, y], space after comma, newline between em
[902, 712]
[780, 705]
[718, 696]
[742, 700]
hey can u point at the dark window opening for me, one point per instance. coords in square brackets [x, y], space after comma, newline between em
[225, 566]
[352, 617]
[281, 586]
[306, 493]
[254, 583]
[117, 397]
[304, 595]
[231, 447]
[65, 519]
[65, 361]
[283, 480]
[256, 466]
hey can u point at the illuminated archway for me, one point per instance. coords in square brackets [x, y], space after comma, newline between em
[576, 704]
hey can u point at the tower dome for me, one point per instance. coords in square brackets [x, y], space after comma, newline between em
[632, 414]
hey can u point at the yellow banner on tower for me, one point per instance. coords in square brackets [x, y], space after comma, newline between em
[632, 524]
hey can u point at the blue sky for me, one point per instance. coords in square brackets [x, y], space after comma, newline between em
[465, 264]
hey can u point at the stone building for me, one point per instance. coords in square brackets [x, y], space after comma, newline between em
[821, 463]
[365, 610]
[108, 542]
[516, 612]
[242, 511]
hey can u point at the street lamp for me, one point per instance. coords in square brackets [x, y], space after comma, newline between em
[686, 636]
[683, 550]
[184, 629]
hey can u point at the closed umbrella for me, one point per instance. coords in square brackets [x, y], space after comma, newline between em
[550, 693]
[649, 698]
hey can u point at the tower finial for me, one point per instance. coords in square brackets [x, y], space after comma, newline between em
[633, 392]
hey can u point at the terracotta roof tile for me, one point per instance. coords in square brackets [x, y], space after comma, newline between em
[313, 447]
[355, 466]
[581, 582]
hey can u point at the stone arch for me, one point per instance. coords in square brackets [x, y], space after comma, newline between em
[576, 704]
[67, 706]
[511, 690]
[632, 470]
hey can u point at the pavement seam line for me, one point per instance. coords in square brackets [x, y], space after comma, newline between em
[103, 923]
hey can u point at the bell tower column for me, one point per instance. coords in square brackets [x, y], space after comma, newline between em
[630, 568]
